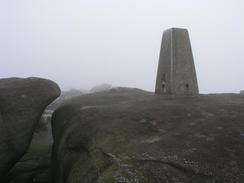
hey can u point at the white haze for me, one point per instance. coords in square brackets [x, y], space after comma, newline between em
[83, 43]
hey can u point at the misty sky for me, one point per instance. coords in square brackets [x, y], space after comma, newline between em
[82, 43]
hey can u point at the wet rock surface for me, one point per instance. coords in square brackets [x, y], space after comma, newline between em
[34, 166]
[22, 102]
[129, 135]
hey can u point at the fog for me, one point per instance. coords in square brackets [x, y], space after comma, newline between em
[83, 43]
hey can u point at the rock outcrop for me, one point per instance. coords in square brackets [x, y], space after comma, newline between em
[22, 102]
[129, 135]
[101, 88]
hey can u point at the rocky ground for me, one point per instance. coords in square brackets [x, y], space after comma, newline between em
[127, 135]
[130, 135]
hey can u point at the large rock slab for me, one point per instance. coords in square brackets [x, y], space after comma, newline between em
[22, 102]
[129, 135]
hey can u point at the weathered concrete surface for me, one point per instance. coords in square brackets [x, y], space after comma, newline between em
[176, 70]
[22, 102]
[129, 135]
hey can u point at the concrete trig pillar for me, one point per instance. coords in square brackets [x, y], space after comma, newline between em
[176, 70]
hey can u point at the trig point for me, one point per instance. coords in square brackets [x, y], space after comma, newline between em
[176, 70]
